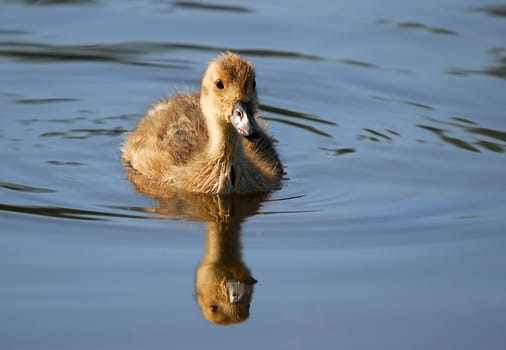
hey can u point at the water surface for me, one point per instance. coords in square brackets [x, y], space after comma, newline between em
[388, 231]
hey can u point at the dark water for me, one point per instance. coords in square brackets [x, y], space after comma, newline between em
[389, 232]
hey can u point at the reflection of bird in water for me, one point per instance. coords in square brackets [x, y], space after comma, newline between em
[211, 142]
[223, 283]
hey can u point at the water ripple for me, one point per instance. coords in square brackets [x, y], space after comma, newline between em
[53, 120]
[137, 53]
[68, 213]
[32, 101]
[471, 128]
[13, 32]
[124, 53]
[498, 70]
[377, 136]
[85, 133]
[492, 10]
[194, 5]
[62, 163]
[297, 115]
[338, 151]
[24, 188]
[417, 25]
[405, 102]
[58, 2]
[306, 127]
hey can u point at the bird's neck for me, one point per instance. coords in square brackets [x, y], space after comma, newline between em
[222, 243]
[224, 143]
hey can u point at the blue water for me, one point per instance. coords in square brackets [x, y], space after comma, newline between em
[389, 231]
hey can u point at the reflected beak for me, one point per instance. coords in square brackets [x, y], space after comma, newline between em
[244, 121]
[239, 292]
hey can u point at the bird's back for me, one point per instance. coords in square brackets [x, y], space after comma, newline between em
[172, 134]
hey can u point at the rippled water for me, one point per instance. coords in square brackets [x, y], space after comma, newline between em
[389, 231]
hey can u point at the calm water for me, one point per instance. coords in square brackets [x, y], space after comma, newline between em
[389, 232]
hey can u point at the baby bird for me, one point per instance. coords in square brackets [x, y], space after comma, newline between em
[209, 142]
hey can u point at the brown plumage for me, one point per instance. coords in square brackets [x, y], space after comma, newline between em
[211, 142]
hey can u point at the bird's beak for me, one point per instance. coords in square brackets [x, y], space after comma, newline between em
[239, 292]
[244, 121]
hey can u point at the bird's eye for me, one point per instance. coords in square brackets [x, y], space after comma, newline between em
[219, 84]
[214, 308]
[254, 84]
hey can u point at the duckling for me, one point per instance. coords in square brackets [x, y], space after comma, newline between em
[209, 142]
